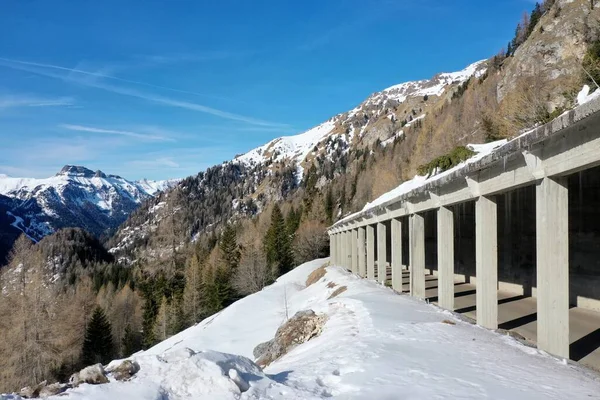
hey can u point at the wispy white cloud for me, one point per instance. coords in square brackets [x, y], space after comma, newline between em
[37, 68]
[162, 162]
[14, 101]
[137, 135]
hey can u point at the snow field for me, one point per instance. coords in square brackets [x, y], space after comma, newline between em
[376, 344]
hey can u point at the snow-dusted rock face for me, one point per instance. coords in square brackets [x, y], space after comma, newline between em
[245, 185]
[351, 127]
[75, 197]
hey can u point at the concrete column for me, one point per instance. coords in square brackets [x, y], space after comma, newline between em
[381, 252]
[552, 230]
[396, 255]
[354, 243]
[349, 249]
[445, 237]
[332, 249]
[486, 261]
[370, 252]
[362, 259]
[344, 259]
[338, 248]
[417, 256]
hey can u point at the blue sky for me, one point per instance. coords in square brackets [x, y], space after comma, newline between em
[161, 89]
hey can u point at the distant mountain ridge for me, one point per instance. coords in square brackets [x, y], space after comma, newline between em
[299, 148]
[247, 184]
[75, 197]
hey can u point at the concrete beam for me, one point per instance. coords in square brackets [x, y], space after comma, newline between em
[354, 244]
[445, 237]
[417, 256]
[552, 245]
[362, 259]
[566, 145]
[370, 252]
[486, 262]
[396, 255]
[381, 252]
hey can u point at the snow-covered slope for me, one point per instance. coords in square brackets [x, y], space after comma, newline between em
[343, 126]
[376, 344]
[75, 197]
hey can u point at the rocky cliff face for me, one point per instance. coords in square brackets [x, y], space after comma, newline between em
[555, 48]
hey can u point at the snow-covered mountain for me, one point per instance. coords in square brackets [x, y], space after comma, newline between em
[74, 197]
[252, 181]
[349, 127]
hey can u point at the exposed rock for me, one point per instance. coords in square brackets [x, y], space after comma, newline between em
[338, 291]
[556, 44]
[316, 275]
[299, 329]
[31, 392]
[125, 370]
[94, 374]
[53, 389]
[261, 349]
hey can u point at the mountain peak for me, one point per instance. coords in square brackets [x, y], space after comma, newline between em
[76, 170]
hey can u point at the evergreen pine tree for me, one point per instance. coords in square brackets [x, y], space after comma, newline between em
[329, 203]
[278, 247]
[292, 220]
[131, 341]
[98, 345]
[230, 250]
[536, 14]
[223, 291]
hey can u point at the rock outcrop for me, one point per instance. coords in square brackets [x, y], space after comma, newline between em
[125, 370]
[94, 375]
[299, 329]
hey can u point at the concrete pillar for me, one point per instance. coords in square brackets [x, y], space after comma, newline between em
[417, 256]
[332, 249]
[354, 243]
[552, 230]
[349, 249]
[344, 260]
[338, 247]
[362, 259]
[486, 261]
[396, 255]
[445, 237]
[370, 252]
[381, 252]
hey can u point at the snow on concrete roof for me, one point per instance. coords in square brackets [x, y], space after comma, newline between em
[487, 155]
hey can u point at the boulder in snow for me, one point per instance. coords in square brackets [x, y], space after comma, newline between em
[299, 329]
[53, 389]
[94, 375]
[125, 370]
[31, 392]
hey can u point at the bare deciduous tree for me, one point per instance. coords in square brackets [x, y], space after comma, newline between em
[253, 274]
[310, 241]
